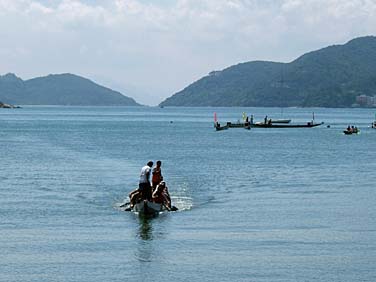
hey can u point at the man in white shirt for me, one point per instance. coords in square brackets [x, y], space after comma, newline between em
[144, 184]
[144, 187]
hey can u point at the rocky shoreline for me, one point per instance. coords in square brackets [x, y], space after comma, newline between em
[8, 106]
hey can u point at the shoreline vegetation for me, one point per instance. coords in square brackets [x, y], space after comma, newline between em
[59, 89]
[338, 76]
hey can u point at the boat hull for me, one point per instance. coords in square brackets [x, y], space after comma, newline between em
[233, 125]
[147, 207]
[218, 128]
[246, 125]
[308, 125]
[281, 120]
[350, 132]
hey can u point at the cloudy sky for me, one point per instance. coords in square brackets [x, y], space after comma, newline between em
[151, 49]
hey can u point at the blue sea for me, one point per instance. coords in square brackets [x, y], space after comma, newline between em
[254, 205]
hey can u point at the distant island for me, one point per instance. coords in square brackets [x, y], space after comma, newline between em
[8, 106]
[336, 76]
[59, 89]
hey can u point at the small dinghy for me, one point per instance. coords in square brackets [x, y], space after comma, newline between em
[147, 207]
[218, 127]
[349, 132]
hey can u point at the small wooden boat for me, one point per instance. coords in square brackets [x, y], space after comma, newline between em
[218, 127]
[147, 207]
[236, 124]
[246, 125]
[349, 132]
[271, 125]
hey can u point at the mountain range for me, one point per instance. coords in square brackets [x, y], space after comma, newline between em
[329, 77]
[59, 89]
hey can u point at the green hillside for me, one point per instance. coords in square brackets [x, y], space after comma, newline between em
[59, 89]
[330, 77]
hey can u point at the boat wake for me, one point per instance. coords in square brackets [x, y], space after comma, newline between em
[182, 203]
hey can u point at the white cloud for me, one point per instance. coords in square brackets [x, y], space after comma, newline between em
[160, 48]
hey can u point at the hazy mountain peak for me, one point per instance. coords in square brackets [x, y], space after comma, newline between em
[59, 89]
[329, 77]
[10, 77]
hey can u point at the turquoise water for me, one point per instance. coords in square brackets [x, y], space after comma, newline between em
[258, 205]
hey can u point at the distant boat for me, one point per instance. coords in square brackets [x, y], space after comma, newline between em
[347, 132]
[284, 123]
[271, 125]
[246, 125]
[352, 130]
[218, 127]
[268, 123]
[374, 123]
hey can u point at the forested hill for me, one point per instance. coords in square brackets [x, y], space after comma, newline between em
[59, 89]
[329, 77]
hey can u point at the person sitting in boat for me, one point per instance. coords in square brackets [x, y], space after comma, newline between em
[134, 197]
[349, 128]
[166, 193]
[157, 175]
[159, 195]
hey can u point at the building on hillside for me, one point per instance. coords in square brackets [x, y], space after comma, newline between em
[366, 101]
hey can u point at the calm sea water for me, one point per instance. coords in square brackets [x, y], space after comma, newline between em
[258, 205]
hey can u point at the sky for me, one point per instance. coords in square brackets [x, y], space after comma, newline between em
[149, 50]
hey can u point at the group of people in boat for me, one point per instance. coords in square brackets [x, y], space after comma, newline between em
[156, 191]
[352, 129]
